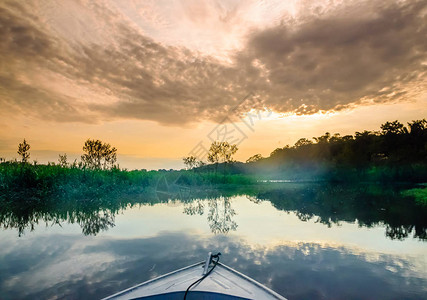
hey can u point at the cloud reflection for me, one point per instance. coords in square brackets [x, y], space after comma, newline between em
[297, 271]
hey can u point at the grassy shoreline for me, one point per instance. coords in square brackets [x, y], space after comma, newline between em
[42, 180]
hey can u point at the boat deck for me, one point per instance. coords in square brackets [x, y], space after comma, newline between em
[223, 283]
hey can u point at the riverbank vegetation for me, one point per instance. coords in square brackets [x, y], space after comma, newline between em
[419, 194]
[396, 153]
[326, 173]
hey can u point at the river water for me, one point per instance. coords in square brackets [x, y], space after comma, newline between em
[303, 240]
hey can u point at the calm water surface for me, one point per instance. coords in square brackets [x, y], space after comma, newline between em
[305, 241]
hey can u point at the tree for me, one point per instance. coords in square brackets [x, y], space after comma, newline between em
[254, 158]
[418, 127]
[62, 160]
[23, 149]
[302, 142]
[394, 127]
[190, 162]
[417, 140]
[322, 150]
[322, 139]
[221, 152]
[99, 155]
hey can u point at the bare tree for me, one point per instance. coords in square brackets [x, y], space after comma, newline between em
[23, 149]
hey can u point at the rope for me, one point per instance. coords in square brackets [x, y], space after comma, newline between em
[204, 276]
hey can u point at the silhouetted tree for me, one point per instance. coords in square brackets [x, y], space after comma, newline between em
[323, 147]
[254, 158]
[302, 142]
[396, 152]
[23, 149]
[394, 127]
[221, 152]
[323, 139]
[190, 162]
[99, 155]
[418, 127]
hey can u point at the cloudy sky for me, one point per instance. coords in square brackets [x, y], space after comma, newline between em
[157, 79]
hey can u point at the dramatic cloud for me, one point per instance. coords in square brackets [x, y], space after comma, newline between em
[87, 61]
[354, 54]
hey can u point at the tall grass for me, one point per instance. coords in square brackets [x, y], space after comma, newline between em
[21, 180]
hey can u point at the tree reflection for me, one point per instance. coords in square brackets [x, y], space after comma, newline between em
[368, 205]
[196, 207]
[93, 222]
[220, 213]
[92, 215]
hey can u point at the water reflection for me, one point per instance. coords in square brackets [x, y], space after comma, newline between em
[55, 264]
[368, 205]
[93, 215]
[220, 213]
[267, 232]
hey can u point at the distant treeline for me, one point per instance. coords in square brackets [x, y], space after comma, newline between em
[397, 152]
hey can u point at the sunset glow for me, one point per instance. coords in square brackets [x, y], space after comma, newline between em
[155, 78]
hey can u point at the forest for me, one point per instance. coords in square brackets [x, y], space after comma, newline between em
[395, 153]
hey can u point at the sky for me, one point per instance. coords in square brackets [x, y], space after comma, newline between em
[161, 80]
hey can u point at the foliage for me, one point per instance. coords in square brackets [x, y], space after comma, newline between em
[254, 158]
[190, 161]
[419, 194]
[395, 153]
[62, 160]
[394, 127]
[302, 142]
[23, 151]
[221, 152]
[99, 155]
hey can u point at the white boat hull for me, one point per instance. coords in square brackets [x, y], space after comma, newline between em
[222, 283]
